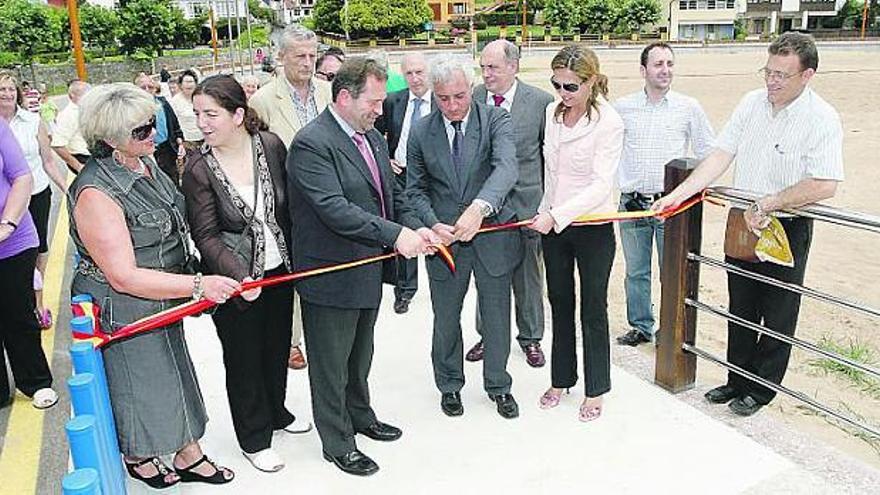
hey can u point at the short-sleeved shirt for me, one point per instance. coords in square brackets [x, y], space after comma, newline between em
[655, 134]
[26, 126]
[66, 132]
[186, 116]
[803, 140]
[12, 166]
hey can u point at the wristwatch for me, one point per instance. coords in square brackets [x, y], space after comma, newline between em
[198, 291]
[10, 223]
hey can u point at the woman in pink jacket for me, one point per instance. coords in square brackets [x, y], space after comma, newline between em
[583, 139]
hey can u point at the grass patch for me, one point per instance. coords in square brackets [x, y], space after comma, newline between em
[868, 438]
[854, 351]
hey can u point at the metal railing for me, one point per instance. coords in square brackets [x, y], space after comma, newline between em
[677, 350]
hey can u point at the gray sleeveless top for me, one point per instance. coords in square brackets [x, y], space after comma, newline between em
[154, 212]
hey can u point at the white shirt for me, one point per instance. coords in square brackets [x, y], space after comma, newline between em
[450, 131]
[508, 97]
[183, 108]
[425, 109]
[655, 134]
[803, 140]
[66, 132]
[25, 126]
[273, 256]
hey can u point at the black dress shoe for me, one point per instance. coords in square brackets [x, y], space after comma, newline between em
[633, 338]
[745, 406]
[382, 432]
[450, 404]
[507, 407]
[721, 395]
[401, 305]
[354, 462]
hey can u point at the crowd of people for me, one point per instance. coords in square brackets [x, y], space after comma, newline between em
[327, 163]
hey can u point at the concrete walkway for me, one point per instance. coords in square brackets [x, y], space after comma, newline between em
[647, 441]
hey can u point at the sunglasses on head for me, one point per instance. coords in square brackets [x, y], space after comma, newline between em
[144, 131]
[569, 87]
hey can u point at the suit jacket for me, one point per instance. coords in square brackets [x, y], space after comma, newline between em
[393, 113]
[210, 210]
[337, 213]
[527, 112]
[436, 192]
[273, 104]
[174, 130]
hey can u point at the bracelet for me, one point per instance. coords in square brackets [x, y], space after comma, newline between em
[198, 291]
[10, 223]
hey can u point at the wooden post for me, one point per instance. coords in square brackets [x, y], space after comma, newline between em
[78, 57]
[675, 370]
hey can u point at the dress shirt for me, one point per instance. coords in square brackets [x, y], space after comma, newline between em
[655, 134]
[161, 125]
[66, 132]
[425, 109]
[580, 165]
[508, 97]
[349, 130]
[305, 111]
[803, 140]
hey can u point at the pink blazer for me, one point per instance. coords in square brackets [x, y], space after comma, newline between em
[580, 165]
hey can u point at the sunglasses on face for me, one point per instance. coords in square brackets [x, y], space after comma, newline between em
[144, 131]
[569, 87]
[328, 75]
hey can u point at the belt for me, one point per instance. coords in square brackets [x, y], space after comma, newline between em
[648, 198]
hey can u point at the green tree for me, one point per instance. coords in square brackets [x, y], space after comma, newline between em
[100, 27]
[385, 18]
[59, 24]
[24, 29]
[147, 25]
[598, 16]
[187, 32]
[260, 12]
[634, 14]
[561, 13]
[327, 16]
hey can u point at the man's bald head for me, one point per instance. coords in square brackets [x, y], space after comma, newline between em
[415, 70]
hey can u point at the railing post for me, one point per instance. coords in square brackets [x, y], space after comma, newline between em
[675, 369]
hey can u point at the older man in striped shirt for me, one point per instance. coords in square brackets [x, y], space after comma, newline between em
[788, 145]
[660, 125]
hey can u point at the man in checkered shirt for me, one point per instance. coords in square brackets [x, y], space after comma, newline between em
[660, 125]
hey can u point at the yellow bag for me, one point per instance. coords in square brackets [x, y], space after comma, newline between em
[773, 246]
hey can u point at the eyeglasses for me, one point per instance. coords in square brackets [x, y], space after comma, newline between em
[144, 131]
[328, 75]
[569, 87]
[776, 75]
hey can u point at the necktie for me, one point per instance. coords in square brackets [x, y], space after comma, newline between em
[457, 142]
[416, 111]
[499, 99]
[361, 143]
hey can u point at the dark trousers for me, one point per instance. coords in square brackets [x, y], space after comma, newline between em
[407, 278]
[19, 329]
[773, 307]
[166, 158]
[340, 344]
[255, 339]
[592, 249]
[447, 297]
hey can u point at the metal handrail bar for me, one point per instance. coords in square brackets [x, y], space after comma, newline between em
[806, 291]
[803, 344]
[779, 388]
[816, 211]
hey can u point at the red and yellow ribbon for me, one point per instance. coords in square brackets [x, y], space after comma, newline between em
[177, 313]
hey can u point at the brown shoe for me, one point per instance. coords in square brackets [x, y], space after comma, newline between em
[297, 359]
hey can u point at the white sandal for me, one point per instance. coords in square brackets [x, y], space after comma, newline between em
[298, 426]
[266, 460]
[45, 398]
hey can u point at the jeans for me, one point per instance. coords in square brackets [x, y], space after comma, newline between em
[636, 237]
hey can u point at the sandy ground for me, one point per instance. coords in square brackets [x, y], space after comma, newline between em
[842, 261]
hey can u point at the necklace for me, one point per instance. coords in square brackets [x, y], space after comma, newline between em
[138, 167]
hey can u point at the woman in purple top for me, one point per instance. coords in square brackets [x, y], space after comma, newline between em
[19, 330]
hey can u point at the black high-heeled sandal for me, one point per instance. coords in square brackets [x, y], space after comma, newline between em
[187, 475]
[156, 481]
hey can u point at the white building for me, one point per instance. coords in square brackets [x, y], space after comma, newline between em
[222, 8]
[702, 20]
[290, 11]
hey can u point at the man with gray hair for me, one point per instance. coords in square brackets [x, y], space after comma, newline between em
[461, 167]
[286, 104]
[527, 104]
[67, 140]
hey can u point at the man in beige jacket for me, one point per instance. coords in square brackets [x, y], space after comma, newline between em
[290, 101]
